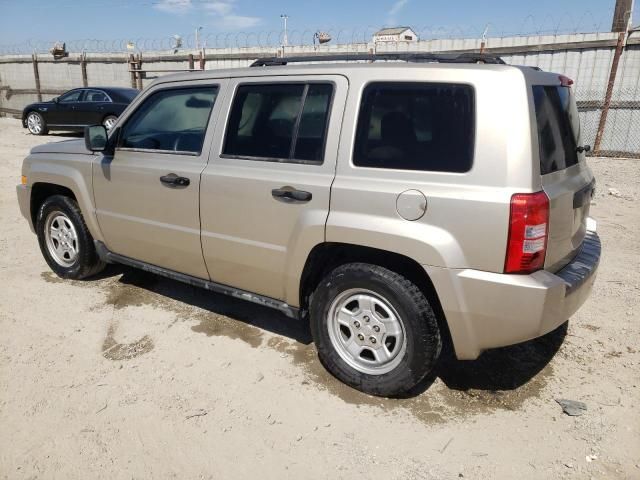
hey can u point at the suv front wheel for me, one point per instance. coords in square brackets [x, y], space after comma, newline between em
[374, 329]
[65, 240]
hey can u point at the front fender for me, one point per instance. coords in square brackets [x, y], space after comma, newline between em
[70, 171]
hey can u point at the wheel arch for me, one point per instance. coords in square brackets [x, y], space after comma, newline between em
[327, 256]
[67, 185]
[40, 191]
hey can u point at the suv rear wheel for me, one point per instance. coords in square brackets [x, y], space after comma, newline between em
[374, 329]
[64, 239]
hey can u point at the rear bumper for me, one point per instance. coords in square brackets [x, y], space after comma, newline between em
[488, 310]
[24, 199]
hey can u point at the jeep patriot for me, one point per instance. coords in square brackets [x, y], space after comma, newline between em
[395, 205]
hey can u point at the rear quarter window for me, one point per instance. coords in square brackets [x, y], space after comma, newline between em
[416, 126]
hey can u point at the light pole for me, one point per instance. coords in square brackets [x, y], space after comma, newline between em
[285, 40]
[198, 30]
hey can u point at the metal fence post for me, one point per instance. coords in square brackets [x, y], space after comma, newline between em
[609, 94]
[36, 75]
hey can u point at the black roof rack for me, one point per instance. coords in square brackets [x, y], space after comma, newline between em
[373, 57]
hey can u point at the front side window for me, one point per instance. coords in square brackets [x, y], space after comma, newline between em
[173, 120]
[416, 126]
[283, 122]
[95, 96]
[73, 96]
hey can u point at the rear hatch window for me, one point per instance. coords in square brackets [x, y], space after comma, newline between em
[569, 189]
[558, 127]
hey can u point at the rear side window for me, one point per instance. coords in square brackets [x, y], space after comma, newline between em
[279, 122]
[558, 127]
[416, 126]
[172, 120]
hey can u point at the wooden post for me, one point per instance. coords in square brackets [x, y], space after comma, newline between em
[132, 67]
[191, 63]
[139, 71]
[36, 75]
[609, 94]
[83, 68]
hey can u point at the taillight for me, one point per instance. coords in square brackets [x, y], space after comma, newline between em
[528, 232]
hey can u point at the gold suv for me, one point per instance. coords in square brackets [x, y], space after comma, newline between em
[393, 203]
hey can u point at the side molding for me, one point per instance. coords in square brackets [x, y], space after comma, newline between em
[111, 257]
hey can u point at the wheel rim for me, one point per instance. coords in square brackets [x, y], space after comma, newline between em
[109, 122]
[34, 123]
[366, 331]
[61, 239]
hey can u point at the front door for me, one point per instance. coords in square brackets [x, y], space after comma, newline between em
[147, 193]
[64, 111]
[265, 191]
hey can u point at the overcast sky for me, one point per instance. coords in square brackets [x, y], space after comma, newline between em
[22, 20]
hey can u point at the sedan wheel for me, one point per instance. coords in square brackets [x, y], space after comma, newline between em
[109, 122]
[35, 124]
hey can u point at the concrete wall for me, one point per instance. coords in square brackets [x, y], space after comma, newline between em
[584, 57]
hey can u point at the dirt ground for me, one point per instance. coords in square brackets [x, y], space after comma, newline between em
[134, 376]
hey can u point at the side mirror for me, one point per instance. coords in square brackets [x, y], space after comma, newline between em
[95, 138]
[55, 99]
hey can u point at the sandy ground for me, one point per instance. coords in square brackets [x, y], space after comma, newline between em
[134, 376]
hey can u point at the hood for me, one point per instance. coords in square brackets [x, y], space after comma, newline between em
[35, 105]
[65, 146]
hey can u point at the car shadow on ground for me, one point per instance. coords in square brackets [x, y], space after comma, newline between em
[500, 369]
[65, 134]
[249, 313]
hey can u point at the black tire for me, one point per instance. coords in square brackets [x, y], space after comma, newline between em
[87, 262]
[43, 130]
[423, 339]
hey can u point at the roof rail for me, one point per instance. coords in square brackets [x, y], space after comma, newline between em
[373, 57]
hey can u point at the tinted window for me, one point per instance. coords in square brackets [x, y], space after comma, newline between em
[558, 127]
[279, 122]
[95, 96]
[73, 96]
[170, 120]
[313, 123]
[416, 126]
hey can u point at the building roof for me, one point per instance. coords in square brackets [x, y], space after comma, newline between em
[392, 31]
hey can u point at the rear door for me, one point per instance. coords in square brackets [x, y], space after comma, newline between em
[265, 191]
[566, 178]
[93, 107]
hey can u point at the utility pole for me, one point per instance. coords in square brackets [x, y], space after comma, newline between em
[622, 15]
[198, 30]
[285, 39]
[621, 24]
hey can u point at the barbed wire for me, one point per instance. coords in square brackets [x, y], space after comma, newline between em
[530, 25]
